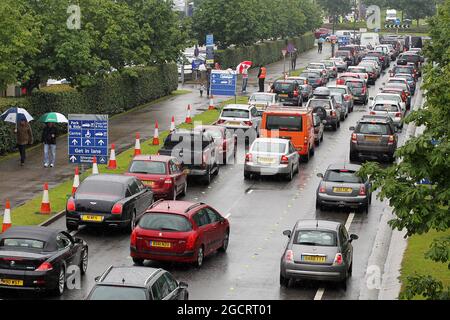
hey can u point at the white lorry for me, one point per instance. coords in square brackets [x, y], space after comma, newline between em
[391, 15]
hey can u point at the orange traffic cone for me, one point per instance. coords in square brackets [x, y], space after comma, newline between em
[211, 104]
[7, 217]
[76, 181]
[94, 165]
[45, 205]
[156, 135]
[137, 145]
[172, 124]
[188, 117]
[112, 159]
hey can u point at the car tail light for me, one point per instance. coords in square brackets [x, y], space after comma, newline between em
[338, 259]
[190, 243]
[133, 239]
[318, 81]
[220, 121]
[70, 205]
[364, 90]
[46, 266]
[168, 181]
[354, 138]
[117, 208]
[284, 160]
[372, 113]
[398, 115]
[322, 189]
[391, 140]
[295, 93]
[333, 113]
[362, 191]
[324, 71]
[289, 256]
[248, 123]
[248, 157]
[334, 68]
[224, 145]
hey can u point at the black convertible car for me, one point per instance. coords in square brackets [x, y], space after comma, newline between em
[108, 200]
[40, 258]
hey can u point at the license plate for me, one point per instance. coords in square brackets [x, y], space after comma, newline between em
[372, 138]
[233, 123]
[148, 183]
[320, 259]
[264, 160]
[11, 282]
[284, 95]
[159, 244]
[342, 190]
[92, 218]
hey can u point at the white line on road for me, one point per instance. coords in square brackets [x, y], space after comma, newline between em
[319, 294]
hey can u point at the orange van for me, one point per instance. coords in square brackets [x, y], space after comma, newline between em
[295, 124]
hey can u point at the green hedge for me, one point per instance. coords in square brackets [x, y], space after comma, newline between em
[112, 95]
[262, 53]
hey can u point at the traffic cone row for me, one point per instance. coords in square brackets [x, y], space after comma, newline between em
[137, 145]
[7, 217]
[112, 164]
[156, 135]
[45, 205]
[94, 165]
[76, 181]
[188, 117]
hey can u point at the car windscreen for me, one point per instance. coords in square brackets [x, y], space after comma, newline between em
[284, 86]
[373, 128]
[105, 188]
[328, 64]
[342, 175]
[186, 141]
[358, 70]
[342, 54]
[337, 90]
[284, 123]
[385, 107]
[235, 113]
[402, 70]
[117, 293]
[22, 243]
[261, 97]
[148, 167]
[165, 222]
[402, 85]
[354, 84]
[318, 238]
[405, 76]
[268, 147]
[411, 58]
[319, 103]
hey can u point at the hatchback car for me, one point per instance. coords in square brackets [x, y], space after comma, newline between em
[346, 56]
[318, 66]
[325, 107]
[319, 127]
[163, 174]
[137, 283]
[306, 88]
[317, 250]
[315, 78]
[341, 187]
[239, 116]
[381, 97]
[331, 67]
[359, 90]
[374, 137]
[409, 79]
[348, 97]
[271, 156]
[404, 87]
[341, 65]
[261, 100]
[288, 92]
[179, 231]
[341, 105]
[390, 108]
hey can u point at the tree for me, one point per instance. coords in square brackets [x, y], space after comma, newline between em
[18, 35]
[419, 9]
[336, 7]
[419, 208]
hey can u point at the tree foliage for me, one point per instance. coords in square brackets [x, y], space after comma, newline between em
[336, 7]
[419, 208]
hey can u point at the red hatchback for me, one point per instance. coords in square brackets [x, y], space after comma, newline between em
[163, 174]
[179, 231]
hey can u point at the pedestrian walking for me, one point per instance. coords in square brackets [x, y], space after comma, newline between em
[49, 140]
[24, 137]
[244, 80]
[320, 45]
[201, 89]
[262, 77]
[294, 56]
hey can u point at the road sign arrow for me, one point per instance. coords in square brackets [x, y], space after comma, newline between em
[101, 142]
[74, 141]
[102, 160]
[88, 142]
[73, 159]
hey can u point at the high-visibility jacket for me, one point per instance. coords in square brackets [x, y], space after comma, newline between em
[263, 73]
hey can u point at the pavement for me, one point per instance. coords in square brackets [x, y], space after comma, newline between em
[259, 211]
[19, 184]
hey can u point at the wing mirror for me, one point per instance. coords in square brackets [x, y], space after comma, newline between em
[183, 285]
[287, 233]
[97, 278]
[371, 98]
[351, 128]
[353, 237]
[320, 175]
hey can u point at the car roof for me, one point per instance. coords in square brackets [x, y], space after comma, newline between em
[283, 110]
[319, 224]
[344, 165]
[386, 102]
[183, 208]
[209, 127]
[107, 177]
[237, 106]
[338, 86]
[153, 157]
[129, 275]
[272, 140]
[44, 234]
[263, 94]
[376, 118]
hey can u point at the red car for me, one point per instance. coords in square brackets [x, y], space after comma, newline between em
[179, 231]
[346, 76]
[164, 174]
[322, 32]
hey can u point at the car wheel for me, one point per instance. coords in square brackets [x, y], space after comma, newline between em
[133, 221]
[71, 227]
[338, 124]
[297, 170]
[353, 157]
[350, 270]
[174, 194]
[184, 192]
[84, 261]
[284, 282]
[313, 151]
[246, 175]
[319, 206]
[207, 178]
[226, 240]
[216, 173]
[138, 261]
[317, 142]
[200, 257]
[290, 175]
[60, 283]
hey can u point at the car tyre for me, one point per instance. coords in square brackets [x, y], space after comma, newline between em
[84, 261]
[184, 192]
[226, 241]
[290, 175]
[353, 157]
[71, 227]
[216, 173]
[200, 256]
[319, 206]
[350, 270]
[207, 178]
[313, 151]
[284, 282]
[60, 283]
[247, 175]
[138, 261]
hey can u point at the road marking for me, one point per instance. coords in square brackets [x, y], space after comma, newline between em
[319, 294]
[250, 191]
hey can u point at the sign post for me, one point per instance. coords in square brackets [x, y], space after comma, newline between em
[88, 137]
[284, 51]
[210, 49]
[223, 83]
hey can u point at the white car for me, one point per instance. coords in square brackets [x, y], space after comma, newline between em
[239, 116]
[331, 67]
[261, 100]
[391, 108]
[321, 67]
[381, 97]
[340, 64]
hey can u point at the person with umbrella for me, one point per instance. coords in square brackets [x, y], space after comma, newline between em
[49, 136]
[24, 136]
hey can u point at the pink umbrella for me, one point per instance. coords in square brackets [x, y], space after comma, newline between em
[243, 65]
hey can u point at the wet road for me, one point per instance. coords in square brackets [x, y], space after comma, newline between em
[259, 211]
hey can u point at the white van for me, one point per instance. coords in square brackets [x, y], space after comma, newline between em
[391, 15]
[370, 38]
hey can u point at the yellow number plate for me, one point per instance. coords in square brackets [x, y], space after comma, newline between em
[320, 259]
[372, 138]
[159, 244]
[266, 160]
[343, 190]
[148, 183]
[11, 282]
[92, 218]
[233, 123]
[284, 95]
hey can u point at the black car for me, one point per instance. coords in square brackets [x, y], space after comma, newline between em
[108, 200]
[358, 88]
[289, 92]
[137, 283]
[40, 258]
[413, 58]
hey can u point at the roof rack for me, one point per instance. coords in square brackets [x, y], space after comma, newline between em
[105, 273]
[155, 204]
[151, 276]
[193, 206]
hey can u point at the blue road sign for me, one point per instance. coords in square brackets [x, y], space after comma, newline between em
[344, 40]
[397, 22]
[196, 63]
[88, 137]
[209, 40]
[223, 83]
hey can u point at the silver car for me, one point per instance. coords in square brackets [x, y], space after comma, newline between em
[341, 187]
[390, 108]
[269, 156]
[317, 250]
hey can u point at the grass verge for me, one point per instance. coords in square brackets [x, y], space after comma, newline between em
[27, 213]
[414, 260]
